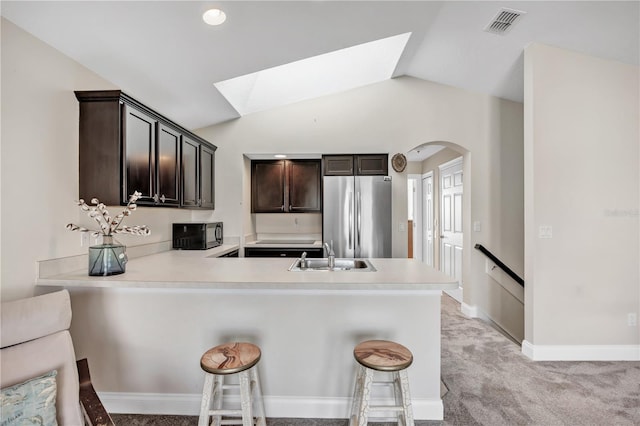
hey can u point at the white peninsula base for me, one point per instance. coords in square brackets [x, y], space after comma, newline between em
[144, 331]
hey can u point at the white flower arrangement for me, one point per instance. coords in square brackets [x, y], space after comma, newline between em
[109, 225]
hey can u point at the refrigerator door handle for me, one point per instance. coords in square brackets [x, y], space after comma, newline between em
[350, 203]
[358, 220]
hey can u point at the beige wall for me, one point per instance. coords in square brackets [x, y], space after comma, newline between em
[582, 161]
[394, 116]
[39, 162]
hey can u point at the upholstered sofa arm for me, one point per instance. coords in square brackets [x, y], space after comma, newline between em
[94, 413]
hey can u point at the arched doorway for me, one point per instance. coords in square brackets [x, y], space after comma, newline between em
[441, 208]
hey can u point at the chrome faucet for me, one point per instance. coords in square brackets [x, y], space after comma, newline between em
[303, 260]
[330, 254]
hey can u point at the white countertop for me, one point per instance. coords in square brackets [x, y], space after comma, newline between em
[201, 269]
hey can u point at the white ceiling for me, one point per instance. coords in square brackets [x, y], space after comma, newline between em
[161, 53]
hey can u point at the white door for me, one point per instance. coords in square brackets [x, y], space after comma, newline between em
[427, 222]
[451, 244]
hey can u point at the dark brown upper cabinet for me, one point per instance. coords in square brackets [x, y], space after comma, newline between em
[286, 186]
[372, 164]
[207, 171]
[125, 146]
[168, 166]
[190, 173]
[338, 165]
[356, 164]
[304, 179]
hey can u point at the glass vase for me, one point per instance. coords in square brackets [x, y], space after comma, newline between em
[108, 258]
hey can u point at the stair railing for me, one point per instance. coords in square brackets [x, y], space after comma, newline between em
[500, 264]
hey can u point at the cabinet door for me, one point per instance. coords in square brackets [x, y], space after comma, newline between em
[207, 180]
[139, 145]
[338, 165]
[190, 178]
[372, 164]
[267, 186]
[168, 166]
[304, 186]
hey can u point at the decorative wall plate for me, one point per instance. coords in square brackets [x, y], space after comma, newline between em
[399, 162]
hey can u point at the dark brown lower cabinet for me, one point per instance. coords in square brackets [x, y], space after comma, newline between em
[281, 252]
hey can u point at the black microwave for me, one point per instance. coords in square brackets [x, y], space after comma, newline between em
[197, 236]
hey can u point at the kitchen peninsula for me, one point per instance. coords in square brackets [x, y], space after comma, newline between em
[144, 331]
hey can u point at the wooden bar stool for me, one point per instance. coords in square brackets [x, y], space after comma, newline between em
[223, 360]
[386, 356]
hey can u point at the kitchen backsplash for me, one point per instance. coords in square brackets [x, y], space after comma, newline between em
[288, 223]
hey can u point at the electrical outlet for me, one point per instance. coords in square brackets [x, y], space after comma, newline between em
[84, 239]
[477, 226]
[632, 319]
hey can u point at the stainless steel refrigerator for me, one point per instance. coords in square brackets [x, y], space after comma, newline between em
[357, 215]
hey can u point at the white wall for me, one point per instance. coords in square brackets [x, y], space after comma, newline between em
[582, 161]
[39, 162]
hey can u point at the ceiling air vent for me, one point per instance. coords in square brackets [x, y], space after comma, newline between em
[503, 21]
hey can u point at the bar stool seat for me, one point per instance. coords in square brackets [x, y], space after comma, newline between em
[222, 361]
[382, 356]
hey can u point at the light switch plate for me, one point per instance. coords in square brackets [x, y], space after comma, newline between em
[545, 231]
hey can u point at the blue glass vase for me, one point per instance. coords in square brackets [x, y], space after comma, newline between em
[108, 258]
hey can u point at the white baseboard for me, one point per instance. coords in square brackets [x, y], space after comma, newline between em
[470, 311]
[581, 352]
[275, 406]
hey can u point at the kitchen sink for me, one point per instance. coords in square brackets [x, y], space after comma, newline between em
[322, 264]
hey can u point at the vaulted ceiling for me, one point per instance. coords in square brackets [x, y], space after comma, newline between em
[162, 53]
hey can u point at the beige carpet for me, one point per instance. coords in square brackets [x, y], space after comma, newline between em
[491, 383]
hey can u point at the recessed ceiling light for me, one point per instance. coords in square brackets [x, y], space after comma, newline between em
[280, 156]
[214, 17]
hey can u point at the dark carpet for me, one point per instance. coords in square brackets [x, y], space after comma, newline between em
[491, 383]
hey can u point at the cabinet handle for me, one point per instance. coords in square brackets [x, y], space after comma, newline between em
[282, 208]
[163, 198]
[155, 198]
[283, 254]
[289, 207]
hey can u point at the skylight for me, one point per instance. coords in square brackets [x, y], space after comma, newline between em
[309, 78]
